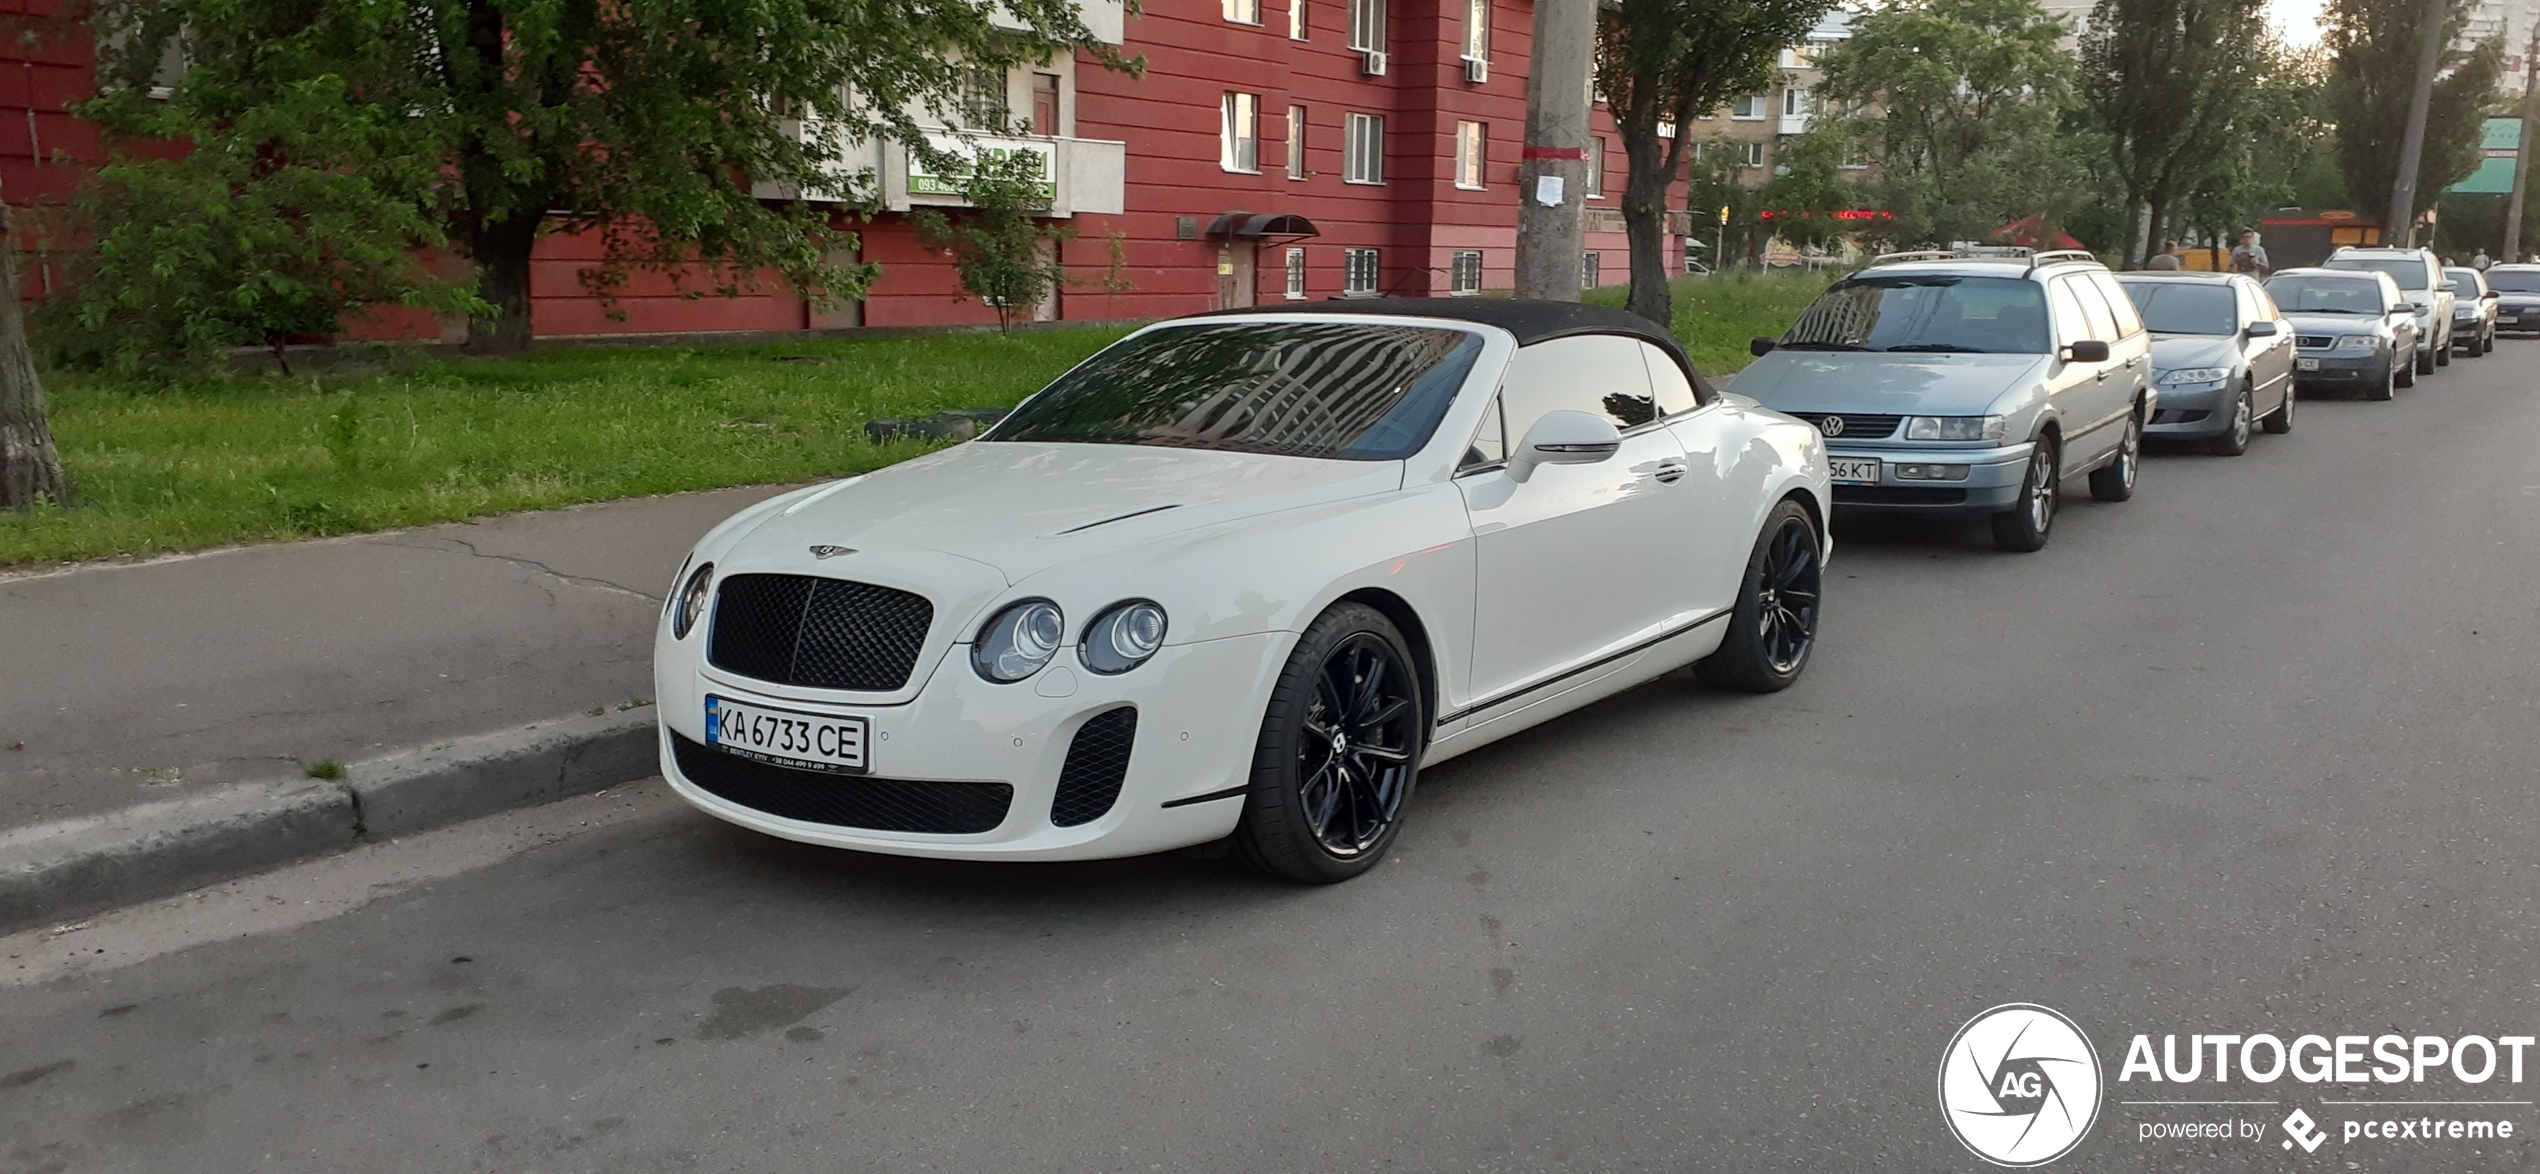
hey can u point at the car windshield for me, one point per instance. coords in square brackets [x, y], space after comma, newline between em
[2407, 271]
[1925, 312]
[2514, 280]
[2464, 281]
[2179, 307]
[2325, 295]
[1336, 390]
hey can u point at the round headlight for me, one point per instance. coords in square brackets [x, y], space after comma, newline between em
[1123, 638]
[691, 604]
[1018, 641]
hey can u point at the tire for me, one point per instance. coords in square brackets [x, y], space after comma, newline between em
[2024, 528]
[2443, 354]
[2235, 438]
[2403, 374]
[1303, 819]
[2280, 421]
[2383, 390]
[2425, 363]
[1774, 626]
[2115, 480]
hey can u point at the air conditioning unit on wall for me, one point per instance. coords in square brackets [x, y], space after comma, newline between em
[1476, 70]
[1372, 63]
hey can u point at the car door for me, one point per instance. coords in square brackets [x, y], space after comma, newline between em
[1577, 561]
[2074, 387]
[1724, 478]
[2089, 431]
[2270, 358]
[2132, 351]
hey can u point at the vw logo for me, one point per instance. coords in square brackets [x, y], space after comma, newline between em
[2019, 1085]
[1831, 426]
[831, 551]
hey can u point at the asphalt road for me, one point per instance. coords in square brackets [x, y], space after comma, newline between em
[2253, 752]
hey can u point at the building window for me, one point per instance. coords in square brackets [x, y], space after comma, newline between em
[983, 101]
[1045, 105]
[1471, 141]
[1239, 133]
[1296, 275]
[1360, 280]
[1754, 154]
[1747, 108]
[1477, 30]
[1243, 11]
[1464, 277]
[1296, 142]
[1296, 20]
[1594, 183]
[1367, 25]
[1796, 102]
[1363, 155]
[1591, 267]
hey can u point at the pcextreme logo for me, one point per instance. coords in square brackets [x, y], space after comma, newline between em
[2019, 1085]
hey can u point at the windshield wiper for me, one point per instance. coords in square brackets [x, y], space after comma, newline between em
[2328, 310]
[1940, 348]
[1821, 346]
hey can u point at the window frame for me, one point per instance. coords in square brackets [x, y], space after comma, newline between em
[1472, 155]
[1477, 22]
[1296, 20]
[1363, 149]
[1294, 262]
[1375, 262]
[1239, 147]
[1297, 121]
[1457, 264]
[1592, 185]
[1234, 11]
[1753, 156]
[1367, 26]
[1740, 101]
[1591, 269]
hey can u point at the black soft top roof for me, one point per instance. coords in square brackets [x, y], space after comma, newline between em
[1530, 321]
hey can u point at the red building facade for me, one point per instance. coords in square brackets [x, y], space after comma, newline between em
[1403, 181]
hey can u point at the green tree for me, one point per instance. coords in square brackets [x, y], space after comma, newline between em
[2169, 79]
[2281, 151]
[1004, 255]
[241, 240]
[1663, 62]
[1715, 179]
[1808, 187]
[1959, 106]
[659, 127]
[2374, 43]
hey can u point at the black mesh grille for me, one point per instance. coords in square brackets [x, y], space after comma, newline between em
[819, 633]
[1096, 762]
[1897, 495]
[847, 801]
[1855, 426]
[2312, 342]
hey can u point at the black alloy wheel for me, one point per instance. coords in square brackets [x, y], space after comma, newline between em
[2023, 527]
[1339, 751]
[2235, 436]
[1774, 625]
[2280, 421]
[2114, 481]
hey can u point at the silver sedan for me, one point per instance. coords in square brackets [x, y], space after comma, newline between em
[2221, 355]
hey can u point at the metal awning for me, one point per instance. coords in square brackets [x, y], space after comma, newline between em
[1253, 226]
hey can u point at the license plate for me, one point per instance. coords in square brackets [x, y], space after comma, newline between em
[1853, 470]
[2506, 320]
[2306, 364]
[810, 741]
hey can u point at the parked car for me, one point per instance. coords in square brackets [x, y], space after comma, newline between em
[1953, 384]
[2420, 280]
[2517, 289]
[2350, 328]
[2473, 310]
[2221, 357]
[1244, 575]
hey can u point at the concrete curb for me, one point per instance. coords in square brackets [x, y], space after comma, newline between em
[55, 872]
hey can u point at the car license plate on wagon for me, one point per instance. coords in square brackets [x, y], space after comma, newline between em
[2306, 364]
[1853, 470]
[786, 737]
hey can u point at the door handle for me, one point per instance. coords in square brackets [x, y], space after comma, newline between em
[1670, 472]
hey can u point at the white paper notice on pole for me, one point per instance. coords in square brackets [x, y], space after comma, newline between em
[1548, 190]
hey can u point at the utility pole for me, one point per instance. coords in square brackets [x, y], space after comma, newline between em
[2522, 146]
[2403, 190]
[1551, 179]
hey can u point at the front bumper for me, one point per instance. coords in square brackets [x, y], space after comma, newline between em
[2519, 318]
[1992, 485]
[2337, 368]
[2192, 411]
[1199, 710]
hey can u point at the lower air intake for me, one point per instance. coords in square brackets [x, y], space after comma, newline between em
[1096, 763]
[846, 801]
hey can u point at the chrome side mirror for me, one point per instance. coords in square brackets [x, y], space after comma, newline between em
[2264, 330]
[1565, 438]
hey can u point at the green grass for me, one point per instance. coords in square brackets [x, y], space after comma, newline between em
[1717, 315]
[248, 458]
[327, 768]
[261, 457]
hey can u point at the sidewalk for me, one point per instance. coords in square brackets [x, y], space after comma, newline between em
[134, 684]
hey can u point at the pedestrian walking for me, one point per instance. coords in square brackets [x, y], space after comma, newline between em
[2167, 258]
[2250, 257]
[2482, 260]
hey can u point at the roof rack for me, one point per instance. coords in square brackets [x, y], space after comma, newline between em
[1915, 255]
[2062, 256]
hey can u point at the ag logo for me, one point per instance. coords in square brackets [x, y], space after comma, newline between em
[826, 551]
[1831, 426]
[2019, 1085]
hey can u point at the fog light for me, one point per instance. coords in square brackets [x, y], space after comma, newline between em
[1906, 472]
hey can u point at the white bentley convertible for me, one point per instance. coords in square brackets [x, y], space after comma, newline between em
[1241, 575]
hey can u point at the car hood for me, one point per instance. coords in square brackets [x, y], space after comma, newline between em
[1909, 384]
[2176, 352]
[2331, 323]
[1024, 507]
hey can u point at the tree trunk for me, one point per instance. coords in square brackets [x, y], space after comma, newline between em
[2138, 246]
[1649, 163]
[2156, 218]
[30, 470]
[501, 252]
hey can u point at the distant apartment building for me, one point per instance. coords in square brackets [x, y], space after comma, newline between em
[1757, 125]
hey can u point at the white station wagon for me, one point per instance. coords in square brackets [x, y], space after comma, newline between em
[1243, 575]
